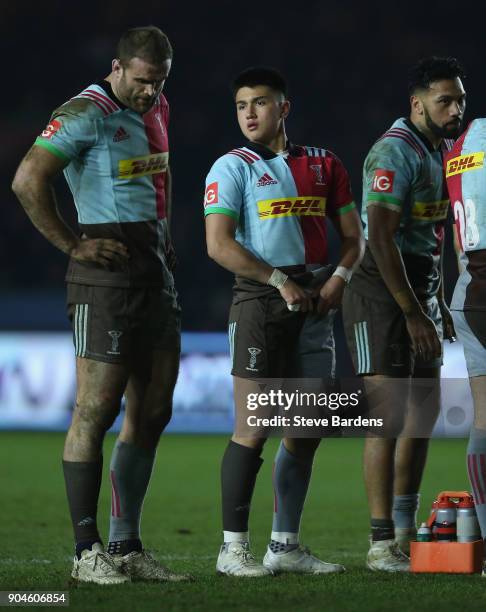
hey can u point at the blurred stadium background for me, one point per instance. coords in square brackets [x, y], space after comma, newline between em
[347, 65]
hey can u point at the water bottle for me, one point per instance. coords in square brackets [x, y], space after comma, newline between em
[445, 521]
[467, 521]
[424, 533]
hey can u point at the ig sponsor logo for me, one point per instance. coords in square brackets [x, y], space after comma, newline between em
[51, 129]
[383, 181]
[211, 196]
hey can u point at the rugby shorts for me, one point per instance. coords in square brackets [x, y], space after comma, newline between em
[470, 328]
[118, 325]
[267, 340]
[377, 336]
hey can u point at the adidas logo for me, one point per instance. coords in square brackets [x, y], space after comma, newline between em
[120, 134]
[265, 180]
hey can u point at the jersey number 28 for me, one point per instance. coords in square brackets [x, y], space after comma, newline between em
[465, 217]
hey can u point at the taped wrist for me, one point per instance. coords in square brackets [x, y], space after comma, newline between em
[277, 279]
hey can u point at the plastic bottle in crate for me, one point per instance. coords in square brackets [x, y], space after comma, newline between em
[424, 533]
[467, 521]
[445, 521]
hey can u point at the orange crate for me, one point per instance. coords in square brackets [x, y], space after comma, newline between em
[446, 557]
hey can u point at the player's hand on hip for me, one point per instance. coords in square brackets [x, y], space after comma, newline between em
[330, 295]
[105, 252]
[297, 298]
[423, 334]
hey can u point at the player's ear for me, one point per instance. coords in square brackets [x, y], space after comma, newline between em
[116, 65]
[417, 105]
[285, 109]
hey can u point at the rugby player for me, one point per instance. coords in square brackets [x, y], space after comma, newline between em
[266, 205]
[466, 181]
[394, 311]
[111, 142]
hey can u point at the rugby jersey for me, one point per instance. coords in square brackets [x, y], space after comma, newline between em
[404, 173]
[466, 180]
[280, 202]
[117, 163]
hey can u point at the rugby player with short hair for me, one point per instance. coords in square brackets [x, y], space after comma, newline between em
[466, 180]
[110, 140]
[266, 205]
[394, 311]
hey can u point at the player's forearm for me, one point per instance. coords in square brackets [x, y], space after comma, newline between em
[39, 202]
[351, 252]
[440, 290]
[232, 256]
[392, 269]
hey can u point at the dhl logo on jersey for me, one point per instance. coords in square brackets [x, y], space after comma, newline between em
[292, 207]
[464, 163]
[140, 166]
[430, 211]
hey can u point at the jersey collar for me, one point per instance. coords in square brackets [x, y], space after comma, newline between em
[425, 141]
[266, 153]
[106, 86]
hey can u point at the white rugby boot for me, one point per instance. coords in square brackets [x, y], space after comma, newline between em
[97, 566]
[140, 566]
[403, 537]
[235, 559]
[299, 560]
[386, 556]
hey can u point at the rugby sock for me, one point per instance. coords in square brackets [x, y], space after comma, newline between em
[382, 529]
[291, 477]
[83, 481]
[476, 468]
[124, 547]
[130, 471]
[235, 536]
[405, 510]
[239, 470]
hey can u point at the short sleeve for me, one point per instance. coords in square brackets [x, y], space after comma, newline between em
[68, 134]
[341, 198]
[387, 176]
[224, 189]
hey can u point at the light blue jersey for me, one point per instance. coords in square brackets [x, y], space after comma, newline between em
[404, 173]
[116, 165]
[466, 180]
[280, 202]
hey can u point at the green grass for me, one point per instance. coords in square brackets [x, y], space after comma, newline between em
[181, 524]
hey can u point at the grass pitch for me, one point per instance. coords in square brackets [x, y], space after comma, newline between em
[181, 525]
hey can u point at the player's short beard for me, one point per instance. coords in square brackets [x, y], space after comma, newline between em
[452, 131]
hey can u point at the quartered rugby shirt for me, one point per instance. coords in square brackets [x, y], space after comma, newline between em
[404, 173]
[280, 203]
[466, 180]
[117, 163]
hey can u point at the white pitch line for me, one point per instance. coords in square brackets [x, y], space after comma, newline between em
[25, 561]
[10, 561]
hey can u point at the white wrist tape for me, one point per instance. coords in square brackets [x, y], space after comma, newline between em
[344, 273]
[277, 279]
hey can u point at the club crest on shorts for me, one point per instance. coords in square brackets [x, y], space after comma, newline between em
[115, 344]
[254, 352]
